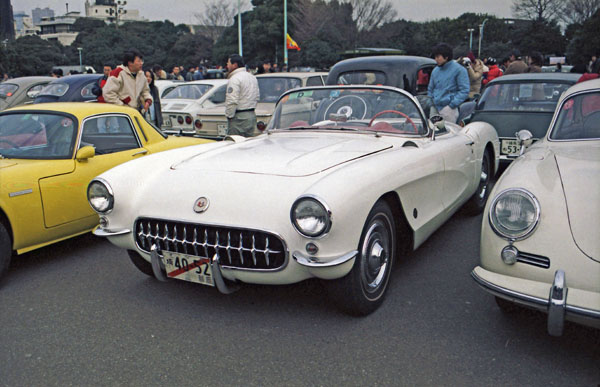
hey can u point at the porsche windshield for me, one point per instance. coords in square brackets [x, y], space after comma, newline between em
[349, 108]
[37, 136]
[579, 118]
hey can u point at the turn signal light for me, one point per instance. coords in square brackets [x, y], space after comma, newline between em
[198, 124]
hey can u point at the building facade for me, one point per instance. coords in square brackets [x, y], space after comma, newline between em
[38, 14]
[7, 24]
[59, 28]
[108, 10]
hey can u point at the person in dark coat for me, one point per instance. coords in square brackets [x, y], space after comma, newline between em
[154, 113]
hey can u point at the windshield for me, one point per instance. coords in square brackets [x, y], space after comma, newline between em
[349, 108]
[37, 136]
[579, 118]
[58, 89]
[271, 88]
[538, 96]
[188, 92]
[8, 89]
[361, 78]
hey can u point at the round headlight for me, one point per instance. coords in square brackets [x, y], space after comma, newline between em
[100, 196]
[310, 217]
[514, 213]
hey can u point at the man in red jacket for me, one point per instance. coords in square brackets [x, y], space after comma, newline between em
[494, 71]
[127, 84]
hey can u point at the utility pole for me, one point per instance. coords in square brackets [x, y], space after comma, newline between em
[240, 30]
[471, 38]
[80, 63]
[285, 50]
[481, 37]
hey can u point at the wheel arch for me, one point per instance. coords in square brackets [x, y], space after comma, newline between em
[490, 148]
[6, 223]
[404, 233]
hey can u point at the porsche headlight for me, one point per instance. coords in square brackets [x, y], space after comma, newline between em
[310, 217]
[514, 213]
[100, 196]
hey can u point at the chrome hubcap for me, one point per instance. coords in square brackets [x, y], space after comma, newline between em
[376, 252]
[483, 180]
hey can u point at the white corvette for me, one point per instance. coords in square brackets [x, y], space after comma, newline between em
[540, 244]
[346, 180]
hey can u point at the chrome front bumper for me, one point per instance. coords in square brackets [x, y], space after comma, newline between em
[555, 305]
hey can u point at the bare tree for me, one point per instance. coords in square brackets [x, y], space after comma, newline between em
[309, 18]
[540, 10]
[217, 15]
[578, 11]
[369, 14]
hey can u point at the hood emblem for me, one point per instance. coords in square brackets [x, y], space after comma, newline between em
[201, 204]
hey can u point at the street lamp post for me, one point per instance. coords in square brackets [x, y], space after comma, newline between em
[80, 63]
[470, 38]
[481, 37]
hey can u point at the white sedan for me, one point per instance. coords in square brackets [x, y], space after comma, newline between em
[182, 106]
[346, 180]
[540, 244]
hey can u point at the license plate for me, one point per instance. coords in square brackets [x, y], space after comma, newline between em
[222, 129]
[510, 148]
[188, 268]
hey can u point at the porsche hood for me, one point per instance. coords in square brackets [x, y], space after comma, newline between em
[579, 171]
[292, 156]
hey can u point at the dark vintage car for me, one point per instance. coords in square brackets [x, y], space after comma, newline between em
[22, 90]
[410, 73]
[521, 101]
[72, 88]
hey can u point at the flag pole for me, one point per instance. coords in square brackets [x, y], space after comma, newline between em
[239, 30]
[285, 50]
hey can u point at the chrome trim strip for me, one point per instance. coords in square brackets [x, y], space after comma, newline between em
[20, 193]
[507, 292]
[556, 304]
[203, 242]
[535, 301]
[311, 262]
[107, 233]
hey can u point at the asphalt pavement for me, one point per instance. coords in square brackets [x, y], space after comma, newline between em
[79, 313]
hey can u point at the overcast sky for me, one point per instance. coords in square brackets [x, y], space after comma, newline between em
[181, 11]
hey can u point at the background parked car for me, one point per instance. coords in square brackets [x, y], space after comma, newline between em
[271, 86]
[539, 240]
[23, 90]
[522, 101]
[72, 88]
[182, 105]
[48, 155]
[166, 85]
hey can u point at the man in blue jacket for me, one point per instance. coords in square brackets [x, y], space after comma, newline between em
[449, 84]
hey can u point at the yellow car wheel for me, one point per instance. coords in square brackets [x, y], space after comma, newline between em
[5, 250]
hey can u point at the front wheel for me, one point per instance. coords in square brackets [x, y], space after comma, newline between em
[476, 203]
[5, 250]
[362, 291]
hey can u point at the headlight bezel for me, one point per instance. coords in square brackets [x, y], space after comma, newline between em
[327, 212]
[110, 191]
[496, 225]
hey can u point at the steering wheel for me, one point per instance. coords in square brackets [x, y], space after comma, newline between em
[396, 112]
[348, 105]
[12, 144]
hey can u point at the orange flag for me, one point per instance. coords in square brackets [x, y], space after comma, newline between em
[291, 45]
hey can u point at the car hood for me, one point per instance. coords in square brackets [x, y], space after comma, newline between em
[286, 154]
[579, 170]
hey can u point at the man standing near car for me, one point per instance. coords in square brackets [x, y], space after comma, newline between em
[449, 85]
[242, 97]
[127, 84]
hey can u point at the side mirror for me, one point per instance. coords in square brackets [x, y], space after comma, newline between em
[524, 138]
[86, 152]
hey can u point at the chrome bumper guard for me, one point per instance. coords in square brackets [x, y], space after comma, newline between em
[312, 262]
[107, 233]
[556, 303]
[159, 271]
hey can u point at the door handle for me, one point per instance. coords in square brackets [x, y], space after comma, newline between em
[142, 152]
[470, 143]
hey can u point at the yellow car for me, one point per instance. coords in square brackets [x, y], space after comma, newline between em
[48, 155]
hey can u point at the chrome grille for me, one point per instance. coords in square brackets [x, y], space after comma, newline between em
[237, 248]
[532, 259]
